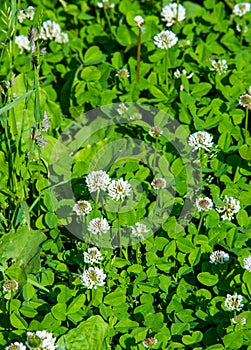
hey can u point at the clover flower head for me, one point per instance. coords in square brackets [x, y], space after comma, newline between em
[98, 226]
[247, 263]
[138, 230]
[45, 122]
[240, 320]
[165, 39]
[231, 207]
[123, 74]
[155, 131]
[177, 74]
[119, 189]
[241, 9]
[245, 100]
[219, 257]
[184, 43]
[92, 256]
[139, 21]
[122, 108]
[41, 340]
[97, 180]
[234, 302]
[219, 66]
[23, 43]
[62, 38]
[204, 204]
[201, 140]
[16, 346]
[172, 13]
[10, 286]
[26, 13]
[82, 208]
[49, 30]
[105, 4]
[93, 278]
[149, 342]
[158, 183]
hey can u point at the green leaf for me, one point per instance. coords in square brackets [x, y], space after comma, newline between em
[245, 152]
[207, 279]
[196, 337]
[201, 89]
[15, 102]
[233, 340]
[89, 335]
[126, 325]
[17, 321]
[93, 56]
[76, 304]
[115, 298]
[59, 311]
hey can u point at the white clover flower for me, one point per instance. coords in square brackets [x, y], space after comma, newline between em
[82, 207]
[241, 9]
[122, 108]
[139, 21]
[23, 43]
[158, 183]
[105, 4]
[98, 226]
[231, 207]
[62, 38]
[201, 139]
[204, 204]
[93, 277]
[219, 257]
[247, 263]
[10, 286]
[177, 74]
[41, 340]
[155, 131]
[50, 30]
[123, 74]
[138, 230]
[184, 43]
[219, 66]
[149, 342]
[233, 302]
[16, 346]
[27, 13]
[238, 319]
[165, 39]
[92, 256]
[245, 100]
[97, 180]
[172, 13]
[119, 189]
[45, 122]
[240, 28]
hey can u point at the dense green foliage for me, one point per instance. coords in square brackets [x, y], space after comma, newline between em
[163, 286]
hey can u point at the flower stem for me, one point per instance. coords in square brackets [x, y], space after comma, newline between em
[108, 19]
[138, 57]
[246, 126]
[167, 82]
[96, 203]
[199, 227]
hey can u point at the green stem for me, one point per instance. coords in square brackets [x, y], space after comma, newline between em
[108, 19]
[96, 204]
[199, 227]
[92, 298]
[138, 57]
[246, 126]
[167, 82]
[119, 235]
